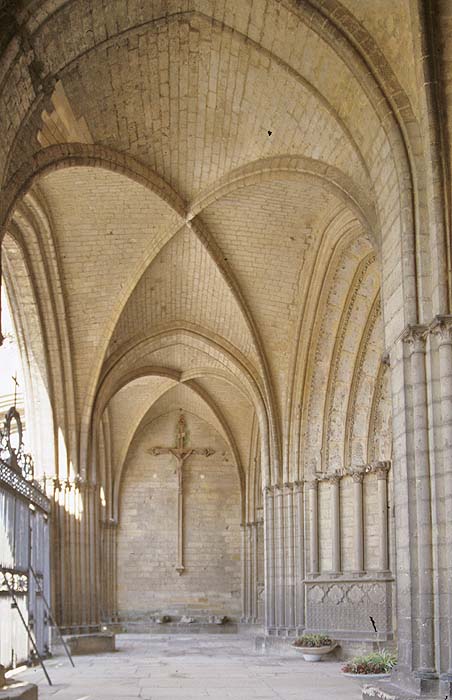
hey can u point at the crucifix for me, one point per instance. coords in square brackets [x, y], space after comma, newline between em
[181, 452]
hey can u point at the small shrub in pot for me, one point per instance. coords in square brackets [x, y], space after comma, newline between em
[313, 640]
[314, 646]
[377, 663]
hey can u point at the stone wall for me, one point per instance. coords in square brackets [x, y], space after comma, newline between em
[147, 536]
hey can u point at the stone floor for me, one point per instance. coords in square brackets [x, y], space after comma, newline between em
[193, 667]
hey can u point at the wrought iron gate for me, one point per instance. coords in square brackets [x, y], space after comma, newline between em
[24, 548]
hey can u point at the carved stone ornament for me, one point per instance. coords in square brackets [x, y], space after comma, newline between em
[415, 336]
[381, 469]
[441, 326]
[357, 477]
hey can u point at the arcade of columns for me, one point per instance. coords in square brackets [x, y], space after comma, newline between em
[238, 212]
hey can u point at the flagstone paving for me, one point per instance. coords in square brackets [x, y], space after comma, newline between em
[191, 667]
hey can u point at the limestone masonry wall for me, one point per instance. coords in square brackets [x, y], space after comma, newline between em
[147, 535]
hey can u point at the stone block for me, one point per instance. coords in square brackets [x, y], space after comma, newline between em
[15, 690]
[97, 643]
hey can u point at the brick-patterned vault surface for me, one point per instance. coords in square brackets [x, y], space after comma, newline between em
[235, 213]
[193, 667]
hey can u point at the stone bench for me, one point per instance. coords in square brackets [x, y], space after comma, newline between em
[94, 643]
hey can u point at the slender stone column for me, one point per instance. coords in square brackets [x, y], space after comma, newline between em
[334, 481]
[82, 520]
[72, 568]
[382, 469]
[243, 567]
[358, 478]
[254, 612]
[110, 567]
[249, 572]
[313, 526]
[299, 553]
[289, 528]
[94, 552]
[57, 559]
[279, 555]
[114, 543]
[269, 554]
[415, 336]
[442, 327]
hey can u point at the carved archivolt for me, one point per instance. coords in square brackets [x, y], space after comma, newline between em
[327, 325]
[340, 375]
[363, 388]
[380, 422]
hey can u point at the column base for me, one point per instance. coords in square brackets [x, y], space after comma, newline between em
[408, 686]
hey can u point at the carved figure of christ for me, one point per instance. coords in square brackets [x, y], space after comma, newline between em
[181, 452]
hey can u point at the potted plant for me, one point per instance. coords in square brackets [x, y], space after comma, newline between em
[378, 664]
[314, 646]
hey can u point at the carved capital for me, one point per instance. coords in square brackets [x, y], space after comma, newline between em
[441, 326]
[416, 336]
[109, 524]
[381, 469]
[298, 486]
[85, 486]
[312, 484]
[357, 477]
[277, 490]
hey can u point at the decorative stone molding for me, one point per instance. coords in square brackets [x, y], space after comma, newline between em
[298, 486]
[416, 336]
[357, 477]
[111, 524]
[86, 486]
[381, 469]
[344, 607]
[441, 326]
[312, 484]
[358, 371]
[363, 269]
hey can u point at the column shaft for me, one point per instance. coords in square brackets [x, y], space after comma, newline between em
[279, 556]
[249, 572]
[426, 664]
[382, 487]
[358, 522]
[313, 526]
[244, 571]
[269, 555]
[335, 524]
[289, 527]
[254, 612]
[299, 554]
[443, 328]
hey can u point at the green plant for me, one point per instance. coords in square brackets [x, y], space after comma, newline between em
[313, 640]
[376, 662]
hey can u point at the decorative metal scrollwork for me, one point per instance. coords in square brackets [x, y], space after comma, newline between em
[12, 446]
[16, 581]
